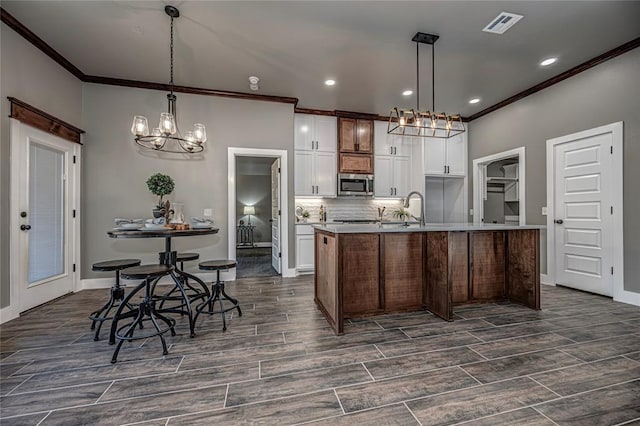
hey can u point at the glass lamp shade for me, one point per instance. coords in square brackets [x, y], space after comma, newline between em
[157, 141]
[199, 132]
[249, 210]
[167, 123]
[140, 126]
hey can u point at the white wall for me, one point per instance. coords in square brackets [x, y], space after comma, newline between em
[605, 94]
[31, 76]
[115, 171]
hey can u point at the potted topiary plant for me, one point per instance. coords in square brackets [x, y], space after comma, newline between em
[160, 185]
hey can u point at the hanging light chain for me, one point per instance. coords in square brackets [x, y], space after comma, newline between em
[171, 57]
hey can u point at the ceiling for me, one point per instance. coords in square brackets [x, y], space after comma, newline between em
[364, 45]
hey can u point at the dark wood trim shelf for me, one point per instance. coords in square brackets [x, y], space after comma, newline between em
[31, 37]
[39, 119]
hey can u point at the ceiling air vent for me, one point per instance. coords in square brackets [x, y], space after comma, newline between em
[502, 23]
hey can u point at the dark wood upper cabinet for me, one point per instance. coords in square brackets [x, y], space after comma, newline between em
[355, 135]
[355, 143]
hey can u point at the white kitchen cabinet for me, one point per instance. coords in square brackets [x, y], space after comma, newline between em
[315, 173]
[446, 157]
[392, 165]
[315, 140]
[386, 144]
[315, 133]
[305, 259]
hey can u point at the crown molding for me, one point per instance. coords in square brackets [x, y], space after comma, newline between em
[32, 38]
[26, 33]
[624, 48]
[186, 89]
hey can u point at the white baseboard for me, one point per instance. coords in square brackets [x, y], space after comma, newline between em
[628, 297]
[7, 314]
[304, 272]
[546, 280]
[288, 272]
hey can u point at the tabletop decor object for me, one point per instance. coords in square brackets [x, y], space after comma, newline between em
[402, 214]
[160, 184]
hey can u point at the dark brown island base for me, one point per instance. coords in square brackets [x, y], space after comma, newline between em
[379, 269]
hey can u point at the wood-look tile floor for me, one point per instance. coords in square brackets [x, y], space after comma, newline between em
[575, 362]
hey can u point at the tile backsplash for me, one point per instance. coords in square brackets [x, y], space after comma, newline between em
[347, 208]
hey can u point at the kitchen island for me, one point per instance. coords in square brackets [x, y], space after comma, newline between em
[364, 270]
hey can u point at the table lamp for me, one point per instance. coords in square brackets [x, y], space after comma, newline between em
[249, 210]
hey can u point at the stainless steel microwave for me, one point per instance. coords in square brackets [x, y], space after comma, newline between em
[358, 185]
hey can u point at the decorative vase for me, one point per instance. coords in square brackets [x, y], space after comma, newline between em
[158, 212]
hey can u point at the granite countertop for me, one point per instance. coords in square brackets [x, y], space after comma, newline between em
[395, 227]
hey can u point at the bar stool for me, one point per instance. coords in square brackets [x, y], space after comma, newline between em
[192, 292]
[116, 293]
[145, 311]
[217, 291]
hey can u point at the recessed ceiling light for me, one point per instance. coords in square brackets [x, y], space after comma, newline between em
[407, 93]
[474, 100]
[548, 62]
[330, 82]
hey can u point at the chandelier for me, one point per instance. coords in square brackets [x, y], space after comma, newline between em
[414, 122]
[166, 137]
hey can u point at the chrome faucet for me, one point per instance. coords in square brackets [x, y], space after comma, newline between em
[406, 204]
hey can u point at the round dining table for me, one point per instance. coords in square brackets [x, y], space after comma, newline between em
[167, 257]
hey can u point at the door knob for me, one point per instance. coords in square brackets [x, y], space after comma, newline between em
[25, 227]
[559, 221]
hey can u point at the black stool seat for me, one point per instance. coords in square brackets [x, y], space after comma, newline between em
[115, 265]
[185, 257]
[145, 272]
[116, 294]
[217, 265]
[217, 291]
[145, 311]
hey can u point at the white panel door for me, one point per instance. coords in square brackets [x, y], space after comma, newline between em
[303, 132]
[383, 178]
[44, 179]
[303, 165]
[326, 133]
[457, 155]
[401, 175]
[275, 215]
[325, 174]
[582, 214]
[434, 156]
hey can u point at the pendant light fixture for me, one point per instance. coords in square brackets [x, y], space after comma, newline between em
[166, 137]
[414, 122]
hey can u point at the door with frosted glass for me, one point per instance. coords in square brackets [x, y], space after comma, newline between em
[44, 173]
[275, 215]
